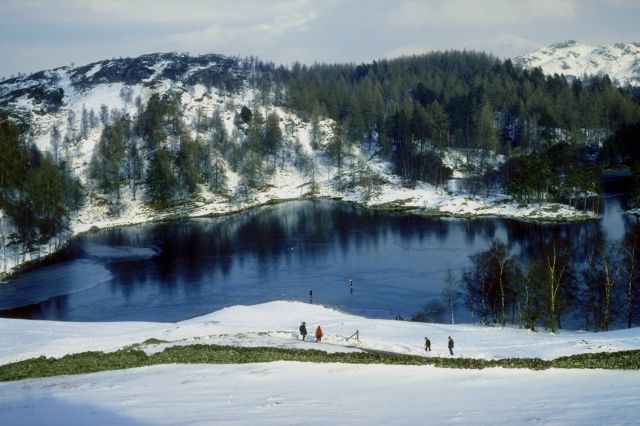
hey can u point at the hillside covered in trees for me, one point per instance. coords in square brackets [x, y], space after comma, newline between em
[412, 107]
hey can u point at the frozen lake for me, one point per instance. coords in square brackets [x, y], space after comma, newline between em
[173, 271]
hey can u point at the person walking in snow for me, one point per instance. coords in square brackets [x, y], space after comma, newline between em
[303, 330]
[450, 345]
[319, 334]
[427, 344]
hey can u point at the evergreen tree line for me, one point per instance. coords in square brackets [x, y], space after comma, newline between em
[37, 193]
[623, 149]
[560, 173]
[411, 108]
[600, 289]
[462, 99]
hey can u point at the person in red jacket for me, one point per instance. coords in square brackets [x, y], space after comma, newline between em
[319, 334]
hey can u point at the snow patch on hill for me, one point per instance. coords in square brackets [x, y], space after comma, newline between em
[621, 61]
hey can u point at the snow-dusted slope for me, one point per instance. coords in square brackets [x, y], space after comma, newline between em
[276, 324]
[621, 61]
[309, 393]
[296, 393]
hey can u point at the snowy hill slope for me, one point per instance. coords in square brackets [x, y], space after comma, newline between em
[300, 393]
[621, 61]
[308, 393]
[276, 324]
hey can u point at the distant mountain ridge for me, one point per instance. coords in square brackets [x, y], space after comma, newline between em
[621, 61]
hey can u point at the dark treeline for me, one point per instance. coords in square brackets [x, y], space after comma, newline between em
[589, 277]
[461, 99]
[623, 149]
[414, 105]
[561, 173]
[36, 192]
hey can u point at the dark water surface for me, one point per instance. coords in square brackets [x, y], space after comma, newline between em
[174, 271]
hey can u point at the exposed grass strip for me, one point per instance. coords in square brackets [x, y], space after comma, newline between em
[90, 362]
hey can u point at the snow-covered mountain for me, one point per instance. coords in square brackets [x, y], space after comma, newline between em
[621, 61]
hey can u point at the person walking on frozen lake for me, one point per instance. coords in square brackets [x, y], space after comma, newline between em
[303, 330]
[427, 344]
[319, 334]
[450, 345]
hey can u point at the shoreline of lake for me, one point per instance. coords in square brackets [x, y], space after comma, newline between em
[391, 207]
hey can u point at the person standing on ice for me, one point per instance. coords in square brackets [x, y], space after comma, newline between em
[427, 344]
[450, 345]
[319, 334]
[303, 330]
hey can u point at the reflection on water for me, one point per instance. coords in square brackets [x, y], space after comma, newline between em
[174, 271]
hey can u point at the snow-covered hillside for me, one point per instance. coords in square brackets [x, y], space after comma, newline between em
[308, 393]
[67, 109]
[621, 61]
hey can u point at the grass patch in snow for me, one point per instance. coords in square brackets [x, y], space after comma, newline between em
[90, 362]
[148, 342]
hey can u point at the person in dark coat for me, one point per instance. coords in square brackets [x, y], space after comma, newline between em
[450, 345]
[427, 344]
[303, 330]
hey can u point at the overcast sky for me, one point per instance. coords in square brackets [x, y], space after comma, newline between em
[44, 34]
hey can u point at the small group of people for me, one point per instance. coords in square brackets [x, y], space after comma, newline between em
[427, 345]
[318, 333]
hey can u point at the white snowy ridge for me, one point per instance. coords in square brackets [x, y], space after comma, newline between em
[620, 61]
[308, 393]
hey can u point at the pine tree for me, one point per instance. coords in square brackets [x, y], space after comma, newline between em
[335, 147]
[150, 122]
[38, 208]
[162, 184]
[84, 123]
[55, 140]
[273, 138]
[107, 162]
[189, 162]
[12, 155]
[134, 166]
[246, 115]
